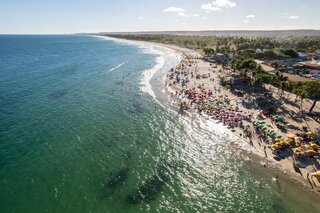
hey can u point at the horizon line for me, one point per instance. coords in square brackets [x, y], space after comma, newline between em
[155, 31]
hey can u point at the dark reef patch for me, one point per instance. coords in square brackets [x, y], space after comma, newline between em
[116, 180]
[57, 95]
[136, 108]
[151, 188]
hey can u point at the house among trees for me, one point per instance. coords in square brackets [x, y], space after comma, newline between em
[312, 65]
[303, 56]
[315, 55]
[266, 67]
[220, 58]
[290, 70]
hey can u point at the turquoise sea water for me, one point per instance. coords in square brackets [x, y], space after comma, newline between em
[79, 134]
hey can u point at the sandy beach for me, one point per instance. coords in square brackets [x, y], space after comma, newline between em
[203, 79]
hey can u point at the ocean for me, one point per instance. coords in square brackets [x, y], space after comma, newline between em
[85, 126]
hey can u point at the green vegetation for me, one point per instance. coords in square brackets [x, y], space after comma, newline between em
[208, 51]
[198, 43]
[263, 78]
[270, 55]
[245, 47]
[246, 63]
[290, 52]
[245, 50]
[310, 90]
[250, 71]
[226, 85]
[275, 64]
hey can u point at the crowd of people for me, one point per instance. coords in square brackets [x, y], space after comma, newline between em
[268, 128]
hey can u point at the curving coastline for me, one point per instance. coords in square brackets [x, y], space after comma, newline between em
[155, 83]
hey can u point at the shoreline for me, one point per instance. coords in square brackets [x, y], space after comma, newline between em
[285, 165]
[264, 150]
[163, 51]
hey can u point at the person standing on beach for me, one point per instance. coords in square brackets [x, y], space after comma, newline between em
[265, 151]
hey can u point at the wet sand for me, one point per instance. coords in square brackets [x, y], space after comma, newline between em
[166, 95]
[286, 164]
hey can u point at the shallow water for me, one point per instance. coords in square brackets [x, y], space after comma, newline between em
[77, 137]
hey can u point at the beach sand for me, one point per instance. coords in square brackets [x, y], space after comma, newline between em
[216, 72]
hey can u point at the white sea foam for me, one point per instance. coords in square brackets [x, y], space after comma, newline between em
[116, 67]
[147, 75]
[163, 53]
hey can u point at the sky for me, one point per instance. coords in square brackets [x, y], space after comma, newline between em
[91, 16]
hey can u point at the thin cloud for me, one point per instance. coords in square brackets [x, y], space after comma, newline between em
[250, 16]
[218, 5]
[174, 9]
[182, 14]
[246, 21]
[141, 18]
[209, 7]
[293, 17]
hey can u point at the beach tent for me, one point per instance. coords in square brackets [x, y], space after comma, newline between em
[298, 138]
[311, 134]
[291, 135]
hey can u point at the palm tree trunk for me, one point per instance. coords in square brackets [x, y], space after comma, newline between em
[279, 90]
[313, 105]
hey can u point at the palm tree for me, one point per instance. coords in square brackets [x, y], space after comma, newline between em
[301, 92]
[289, 88]
[312, 89]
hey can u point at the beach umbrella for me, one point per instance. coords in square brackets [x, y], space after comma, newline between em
[298, 138]
[278, 139]
[288, 139]
[316, 174]
[311, 134]
[296, 150]
[273, 135]
[312, 151]
[291, 135]
[314, 146]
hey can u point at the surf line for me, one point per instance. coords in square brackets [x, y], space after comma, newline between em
[116, 67]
